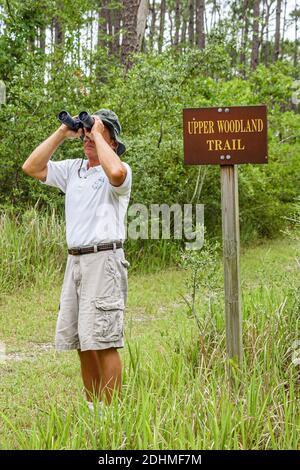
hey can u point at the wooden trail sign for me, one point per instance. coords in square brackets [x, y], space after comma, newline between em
[228, 136]
[222, 136]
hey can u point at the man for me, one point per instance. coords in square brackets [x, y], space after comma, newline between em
[94, 291]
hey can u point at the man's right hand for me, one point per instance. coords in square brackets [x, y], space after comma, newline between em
[68, 133]
[36, 163]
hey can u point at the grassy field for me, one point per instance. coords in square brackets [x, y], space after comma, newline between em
[176, 393]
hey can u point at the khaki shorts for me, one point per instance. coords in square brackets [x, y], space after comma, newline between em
[92, 302]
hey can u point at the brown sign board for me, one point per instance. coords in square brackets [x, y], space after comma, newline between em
[225, 135]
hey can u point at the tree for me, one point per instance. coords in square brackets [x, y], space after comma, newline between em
[266, 44]
[117, 30]
[134, 23]
[277, 31]
[255, 39]
[141, 22]
[200, 34]
[152, 24]
[245, 30]
[191, 22]
[161, 25]
[177, 22]
[295, 14]
[102, 23]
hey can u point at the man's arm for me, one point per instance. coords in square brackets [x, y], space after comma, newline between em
[110, 161]
[36, 163]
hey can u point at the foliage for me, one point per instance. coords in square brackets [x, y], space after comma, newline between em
[149, 101]
[203, 275]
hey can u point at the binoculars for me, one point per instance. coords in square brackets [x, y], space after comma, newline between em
[83, 120]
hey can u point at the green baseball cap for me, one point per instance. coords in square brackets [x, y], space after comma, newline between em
[110, 118]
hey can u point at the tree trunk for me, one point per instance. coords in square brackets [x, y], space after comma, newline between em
[255, 39]
[244, 37]
[142, 14]
[43, 39]
[177, 23]
[171, 26]
[129, 43]
[102, 43]
[277, 31]
[284, 25]
[110, 19]
[200, 34]
[262, 31]
[152, 25]
[102, 24]
[161, 25]
[184, 26]
[117, 29]
[191, 22]
[58, 33]
[183, 32]
[267, 46]
[296, 39]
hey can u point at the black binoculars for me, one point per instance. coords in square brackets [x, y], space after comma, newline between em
[83, 120]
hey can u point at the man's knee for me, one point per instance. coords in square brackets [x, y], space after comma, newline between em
[107, 351]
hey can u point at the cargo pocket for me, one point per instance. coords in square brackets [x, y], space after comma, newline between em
[109, 319]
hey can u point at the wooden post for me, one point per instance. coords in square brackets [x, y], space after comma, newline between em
[231, 255]
[2, 93]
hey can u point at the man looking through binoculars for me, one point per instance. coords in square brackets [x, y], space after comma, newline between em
[94, 291]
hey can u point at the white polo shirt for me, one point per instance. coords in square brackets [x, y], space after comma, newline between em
[95, 209]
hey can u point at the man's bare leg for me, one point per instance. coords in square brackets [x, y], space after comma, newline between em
[101, 373]
[111, 372]
[91, 373]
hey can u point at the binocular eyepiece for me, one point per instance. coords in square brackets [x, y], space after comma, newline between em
[83, 120]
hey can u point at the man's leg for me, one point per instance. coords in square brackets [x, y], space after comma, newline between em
[101, 373]
[91, 373]
[111, 372]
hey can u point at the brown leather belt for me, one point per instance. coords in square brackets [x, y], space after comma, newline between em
[83, 250]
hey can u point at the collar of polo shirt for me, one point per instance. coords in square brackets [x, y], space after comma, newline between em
[91, 169]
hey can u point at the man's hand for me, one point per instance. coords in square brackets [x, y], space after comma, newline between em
[98, 128]
[68, 133]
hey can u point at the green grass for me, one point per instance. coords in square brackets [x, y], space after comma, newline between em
[176, 393]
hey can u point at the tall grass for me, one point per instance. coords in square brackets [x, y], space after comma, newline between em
[180, 397]
[176, 391]
[32, 244]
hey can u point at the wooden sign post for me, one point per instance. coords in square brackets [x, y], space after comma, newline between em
[228, 136]
[2, 92]
[231, 260]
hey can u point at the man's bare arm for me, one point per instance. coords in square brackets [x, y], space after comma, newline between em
[36, 163]
[111, 163]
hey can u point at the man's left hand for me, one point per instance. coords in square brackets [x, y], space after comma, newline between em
[98, 128]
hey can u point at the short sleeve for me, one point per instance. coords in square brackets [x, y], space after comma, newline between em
[58, 174]
[125, 187]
